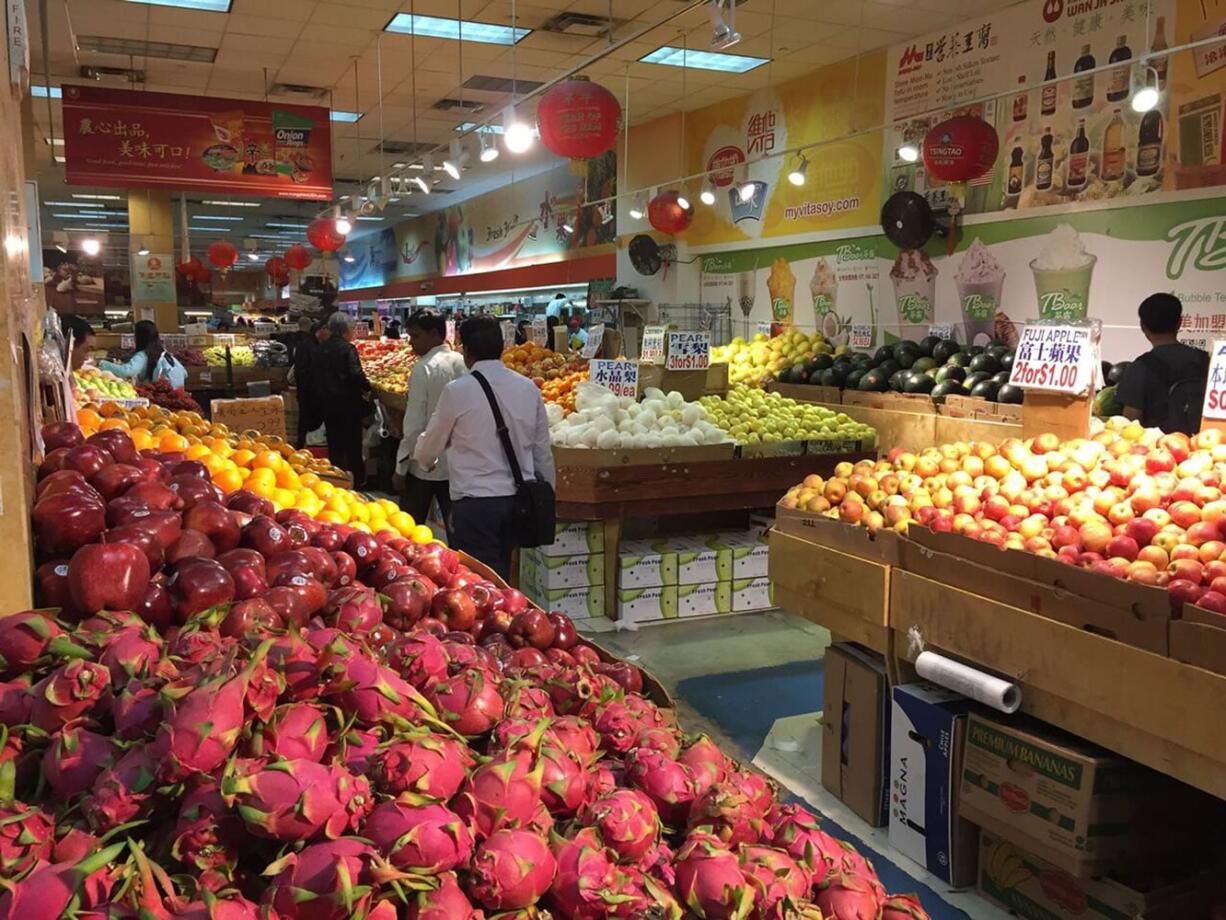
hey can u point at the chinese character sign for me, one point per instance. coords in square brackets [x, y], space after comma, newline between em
[153, 278]
[595, 338]
[688, 351]
[862, 335]
[1061, 359]
[652, 350]
[121, 138]
[508, 333]
[622, 377]
[540, 331]
[1215, 389]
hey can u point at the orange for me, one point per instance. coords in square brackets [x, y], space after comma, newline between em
[213, 463]
[402, 521]
[309, 479]
[110, 410]
[228, 480]
[359, 525]
[89, 418]
[118, 423]
[389, 507]
[422, 534]
[197, 452]
[243, 472]
[267, 459]
[359, 512]
[287, 478]
[262, 477]
[170, 441]
[142, 439]
[243, 456]
[330, 517]
[285, 497]
[323, 489]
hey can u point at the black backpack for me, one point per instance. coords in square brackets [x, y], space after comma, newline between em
[1185, 396]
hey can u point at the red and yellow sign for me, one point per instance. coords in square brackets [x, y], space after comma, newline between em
[123, 138]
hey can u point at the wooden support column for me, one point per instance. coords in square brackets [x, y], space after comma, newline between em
[152, 226]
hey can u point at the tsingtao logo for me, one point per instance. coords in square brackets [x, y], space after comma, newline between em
[1053, 10]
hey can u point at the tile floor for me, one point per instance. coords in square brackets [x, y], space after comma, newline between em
[754, 683]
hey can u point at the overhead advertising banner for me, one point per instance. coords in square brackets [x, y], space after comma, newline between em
[1062, 74]
[123, 138]
[729, 140]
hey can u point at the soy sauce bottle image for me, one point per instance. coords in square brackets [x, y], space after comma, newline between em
[1044, 164]
[1117, 81]
[1149, 143]
[1017, 172]
[1047, 98]
[1077, 167]
[1083, 87]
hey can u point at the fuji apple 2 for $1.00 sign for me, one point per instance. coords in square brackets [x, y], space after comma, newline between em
[1057, 359]
[1215, 387]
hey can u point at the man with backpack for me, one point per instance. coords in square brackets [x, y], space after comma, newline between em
[1165, 387]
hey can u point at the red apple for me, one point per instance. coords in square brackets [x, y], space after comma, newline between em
[165, 525]
[53, 462]
[61, 434]
[455, 608]
[193, 469]
[1066, 536]
[328, 539]
[1186, 570]
[532, 627]
[152, 470]
[1144, 573]
[141, 537]
[249, 503]
[1142, 530]
[108, 576]
[239, 558]
[265, 536]
[1185, 551]
[384, 573]
[1211, 551]
[87, 459]
[52, 588]
[1218, 584]
[117, 444]
[364, 549]
[408, 600]
[1087, 558]
[346, 569]
[1123, 547]
[1183, 592]
[191, 544]
[309, 596]
[1213, 601]
[192, 491]
[214, 521]
[155, 496]
[248, 582]
[157, 607]
[250, 617]
[112, 481]
[64, 481]
[292, 561]
[323, 565]
[67, 521]
[565, 636]
[198, 584]
[1184, 513]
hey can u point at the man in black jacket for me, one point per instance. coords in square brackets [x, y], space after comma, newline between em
[343, 391]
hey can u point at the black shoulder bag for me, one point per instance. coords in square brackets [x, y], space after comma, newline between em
[535, 523]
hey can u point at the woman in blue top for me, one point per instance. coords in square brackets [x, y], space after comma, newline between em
[151, 362]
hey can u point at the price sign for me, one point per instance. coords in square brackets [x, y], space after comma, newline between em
[595, 338]
[1215, 389]
[765, 329]
[265, 414]
[223, 339]
[196, 329]
[861, 335]
[127, 340]
[622, 377]
[361, 330]
[653, 344]
[508, 333]
[941, 330]
[540, 332]
[688, 351]
[1061, 359]
[174, 340]
[265, 328]
[451, 339]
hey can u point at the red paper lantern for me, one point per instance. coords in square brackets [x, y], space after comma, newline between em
[324, 236]
[298, 257]
[223, 254]
[188, 267]
[203, 274]
[276, 267]
[578, 119]
[666, 214]
[960, 149]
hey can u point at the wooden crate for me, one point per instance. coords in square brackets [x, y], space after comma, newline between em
[849, 595]
[1198, 638]
[644, 456]
[691, 384]
[1152, 709]
[806, 392]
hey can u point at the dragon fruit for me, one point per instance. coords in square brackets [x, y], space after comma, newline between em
[510, 734]
[229, 905]
[525, 701]
[446, 902]
[566, 783]
[756, 787]
[74, 760]
[296, 800]
[658, 738]
[420, 659]
[640, 897]
[710, 880]
[295, 731]
[627, 821]
[15, 701]
[297, 661]
[355, 748]
[207, 835]
[779, 880]
[585, 887]
[52, 891]
[729, 814]
[353, 609]
[617, 727]
[332, 880]
[26, 834]
[606, 777]
[123, 791]
[511, 869]
[131, 653]
[429, 839]
[576, 692]
[264, 687]
[503, 793]
[421, 763]
[648, 713]
[668, 783]
[577, 736]
[28, 636]
[903, 907]
[469, 701]
[373, 694]
[68, 693]
[850, 898]
[797, 833]
[707, 763]
[136, 711]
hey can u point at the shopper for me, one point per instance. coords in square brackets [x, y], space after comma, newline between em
[310, 416]
[437, 367]
[1165, 387]
[393, 329]
[343, 393]
[463, 428]
[555, 306]
[523, 329]
[151, 362]
[578, 335]
[82, 340]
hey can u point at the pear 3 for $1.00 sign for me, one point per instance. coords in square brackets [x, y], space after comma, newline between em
[1058, 359]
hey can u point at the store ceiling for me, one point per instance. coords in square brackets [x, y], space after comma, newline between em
[340, 47]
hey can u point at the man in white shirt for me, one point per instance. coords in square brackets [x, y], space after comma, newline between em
[463, 427]
[437, 366]
[554, 307]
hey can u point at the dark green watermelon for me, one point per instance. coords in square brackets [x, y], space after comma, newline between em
[986, 389]
[974, 378]
[1116, 372]
[919, 383]
[986, 363]
[1010, 394]
[888, 368]
[944, 350]
[874, 382]
[960, 359]
[927, 344]
[884, 353]
[951, 372]
[852, 380]
[1006, 362]
[1002, 378]
[820, 363]
[948, 388]
[898, 380]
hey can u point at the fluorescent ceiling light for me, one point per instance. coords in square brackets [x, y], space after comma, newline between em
[87, 215]
[232, 204]
[59, 159]
[480, 129]
[41, 92]
[438, 27]
[225, 217]
[97, 197]
[96, 227]
[289, 226]
[370, 218]
[72, 204]
[671, 56]
[131, 47]
[347, 117]
[208, 6]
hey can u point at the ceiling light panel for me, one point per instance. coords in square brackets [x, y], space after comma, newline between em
[671, 56]
[101, 44]
[208, 6]
[438, 27]
[346, 117]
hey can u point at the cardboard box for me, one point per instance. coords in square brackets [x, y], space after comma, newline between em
[698, 563]
[642, 565]
[575, 538]
[752, 594]
[927, 731]
[265, 414]
[576, 603]
[1029, 886]
[856, 731]
[704, 599]
[638, 605]
[1057, 796]
[750, 553]
[551, 572]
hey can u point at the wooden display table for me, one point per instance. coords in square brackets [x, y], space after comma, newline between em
[680, 487]
[215, 378]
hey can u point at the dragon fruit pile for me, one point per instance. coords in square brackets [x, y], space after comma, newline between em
[360, 727]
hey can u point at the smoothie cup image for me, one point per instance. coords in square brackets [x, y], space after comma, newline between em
[915, 293]
[824, 289]
[979, 281]
[781, 284]
[746, 293]
[1062, 274]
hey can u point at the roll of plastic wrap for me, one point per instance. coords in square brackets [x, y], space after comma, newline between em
[984, 688]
